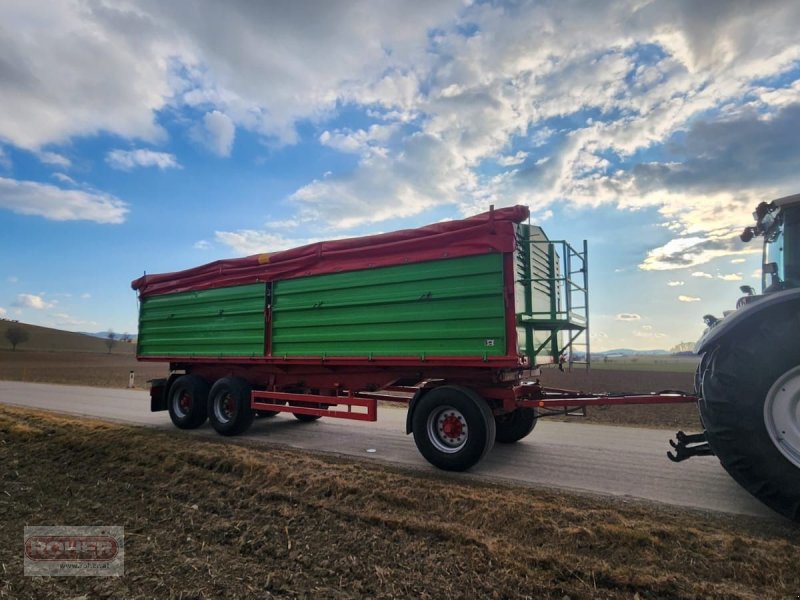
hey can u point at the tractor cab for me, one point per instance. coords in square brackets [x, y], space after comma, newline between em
[779, 223]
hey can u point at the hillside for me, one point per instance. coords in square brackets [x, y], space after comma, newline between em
[45, 338]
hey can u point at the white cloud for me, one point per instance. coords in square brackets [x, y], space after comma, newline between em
[86, 296]
[218, 133]
[628, 317]
[702, 275]
[129, 159]
[65, 179]
[510, 161]
[730, 277]
[689, 298]
[53, 158]
[646, 331]
[77, 69]
[56, 204]
[738, 261]
[358, 141]
[3, 312]
[202, 245]
[33, 301]
[12, 279]
[675, 283]
[249, 241]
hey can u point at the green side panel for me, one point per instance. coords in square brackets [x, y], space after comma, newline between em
[221, 322]
[452, 307]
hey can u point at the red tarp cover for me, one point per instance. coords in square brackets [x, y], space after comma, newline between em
[488, 232]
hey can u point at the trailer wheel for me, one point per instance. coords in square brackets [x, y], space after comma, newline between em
[306, 418]
[453, 428]
[229, 407]
[515, 425]
[188, 398]
[751, 410]
[265, 414]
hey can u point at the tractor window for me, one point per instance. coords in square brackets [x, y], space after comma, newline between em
[782, 252]
[791, 247]
[773, 259]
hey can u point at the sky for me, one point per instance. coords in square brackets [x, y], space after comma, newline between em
[155, 136]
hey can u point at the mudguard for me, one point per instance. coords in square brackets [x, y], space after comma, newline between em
[730, 325]
[412, 405]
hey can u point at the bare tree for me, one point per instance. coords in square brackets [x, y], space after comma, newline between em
[111, 340]
[17, 335]
[682, 347]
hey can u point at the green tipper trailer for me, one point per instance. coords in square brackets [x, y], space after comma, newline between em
[453, 318]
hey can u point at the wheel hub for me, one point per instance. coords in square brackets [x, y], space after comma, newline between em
[451, 427]
[185, 401]
[782, 415]
[447, 429]
[224, 408]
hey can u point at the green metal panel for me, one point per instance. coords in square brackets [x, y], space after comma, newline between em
[220, 322]
[452, 307]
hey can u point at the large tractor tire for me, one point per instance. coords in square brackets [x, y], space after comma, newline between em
[750, 407]
[229, 407]
[515, 425]
[187, 400]
[453, 428]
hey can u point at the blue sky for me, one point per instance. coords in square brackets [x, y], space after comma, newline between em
[149, 136]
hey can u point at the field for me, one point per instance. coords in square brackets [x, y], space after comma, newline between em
[98, 369]
[205, 518]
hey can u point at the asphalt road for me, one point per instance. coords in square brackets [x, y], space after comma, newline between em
[615, 461]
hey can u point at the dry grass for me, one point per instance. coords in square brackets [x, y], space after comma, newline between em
[209, 519]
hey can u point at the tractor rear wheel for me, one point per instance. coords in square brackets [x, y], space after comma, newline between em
[453, 427]
[750, 407]
[515, 425]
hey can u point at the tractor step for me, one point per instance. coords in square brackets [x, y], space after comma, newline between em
[689, 445]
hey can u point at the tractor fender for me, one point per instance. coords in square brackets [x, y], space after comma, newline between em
[730, 325]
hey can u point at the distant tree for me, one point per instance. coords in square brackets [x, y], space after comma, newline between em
[16, 335]
[682, 347]
[111, 340]
[125, 338]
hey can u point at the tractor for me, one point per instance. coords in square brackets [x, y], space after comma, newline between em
[748, 379]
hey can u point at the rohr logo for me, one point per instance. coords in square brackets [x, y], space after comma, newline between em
[71, 547]
[75, 551]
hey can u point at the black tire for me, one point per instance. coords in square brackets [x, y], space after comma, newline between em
[472, 432]
[229, 407]
[737, 387]
[306, 418]
[187, 401]
[265, 414]
[515, 425]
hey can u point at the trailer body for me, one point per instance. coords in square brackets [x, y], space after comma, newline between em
[488, 289]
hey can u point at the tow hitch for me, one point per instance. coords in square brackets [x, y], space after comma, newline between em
[690, 445]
